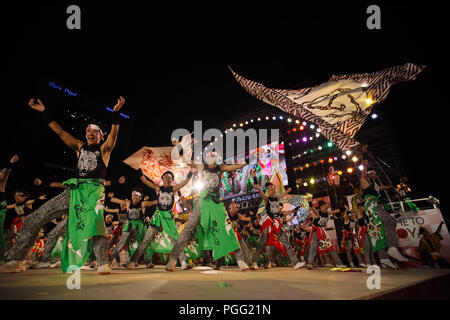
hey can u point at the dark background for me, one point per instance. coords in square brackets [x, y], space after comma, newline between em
[170, 63]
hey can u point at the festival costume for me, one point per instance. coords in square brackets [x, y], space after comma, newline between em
[132, 231]
[350, 243]
[320, 242]
[162, 231]
[209, 213]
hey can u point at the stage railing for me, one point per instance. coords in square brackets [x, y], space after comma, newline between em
[399, 206]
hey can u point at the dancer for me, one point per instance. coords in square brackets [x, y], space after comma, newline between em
[83, 199]
[350, 240]
[319, 241]
[162, 220]
[209, 213]
[133, 227]
[4, 174]
[382, 226]
[364, 242]
[271, 233]
[235, 218]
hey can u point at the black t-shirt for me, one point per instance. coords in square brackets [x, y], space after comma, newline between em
[211, 179]
[166, 198]
[90, 163]
[321, 220]
[135, 211]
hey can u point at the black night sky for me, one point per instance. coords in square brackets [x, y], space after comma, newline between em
[170, 63]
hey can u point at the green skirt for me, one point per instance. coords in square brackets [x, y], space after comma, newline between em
[85, 220]
[141, 229]
[165, 222]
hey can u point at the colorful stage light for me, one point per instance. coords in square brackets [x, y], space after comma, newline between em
[355, 159]
[297, 122]
[344, 157]
[349, 170]
[296, 140]
[312, 181]
[267, 118]
[322, 161]
[369, 101]
[330, 160]
[307, 165]
[340, 172]
[259, 119]
[289, 120]
[295, 129]
[361, 167]
[330, 144]
[374, 116]
[319, 147]
[305, 139]
[315, 164]
[348, 152]
[302, 128]
[335, 158]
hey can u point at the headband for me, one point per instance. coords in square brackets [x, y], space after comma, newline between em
[136, 193]
[96, 128]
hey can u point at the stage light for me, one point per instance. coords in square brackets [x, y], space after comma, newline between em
[305, 139]
[289, 120]
[281, 117]
[340, 172]
[318, 130]
[301, 127]
[288, 132]
[305, 184]
[312, 181]
[335, 158]
[198, 185]
[364, 84]
[349, 170]
[296, 140]
[259, 119]
[315, 164]
[251, 120]
[312, 126]
[246, 122]
[330, 160]
[324, 179]
[319, 147]
[304, 123]
[307, 165]
[301, 168]
[330, 144]
[241, 124]
[297, 122]
[361, 167]
[317, 135]
[374, 116]
[274, 118]
[295, 129]
[344, 157]
[322, 161]
[267, 118]
[355, 158]
[290, 144]
[234, 125]
[369, 101]
[310, 138]
[348, 152]
[305, 152]
[311, 150]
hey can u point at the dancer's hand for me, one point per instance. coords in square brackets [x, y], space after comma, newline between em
[36, 106]
[122, 180]
[44, 197]
[37, 182]
[120, 103]
[14, 159]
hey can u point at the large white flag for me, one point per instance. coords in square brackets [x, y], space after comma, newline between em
[339, 106]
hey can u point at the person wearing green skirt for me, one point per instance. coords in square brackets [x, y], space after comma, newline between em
[209, 213]
[134, 227]
[83, 197]
[162, 220]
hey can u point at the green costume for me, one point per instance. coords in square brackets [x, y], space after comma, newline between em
[375, 228]
[85, 220]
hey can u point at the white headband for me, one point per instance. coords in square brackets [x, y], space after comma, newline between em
[136, 193]
[212, 157]
[97, 128]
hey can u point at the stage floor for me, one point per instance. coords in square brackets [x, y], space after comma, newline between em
[158, 284]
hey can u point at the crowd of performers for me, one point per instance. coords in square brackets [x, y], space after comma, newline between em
[82, 227]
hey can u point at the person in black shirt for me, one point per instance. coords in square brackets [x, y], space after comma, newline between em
[92, 161]
[133, 228]
[163, 219]
[207, 208]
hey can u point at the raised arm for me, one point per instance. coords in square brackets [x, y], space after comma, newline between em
[285, 193]
[118, 201]
[66, 137]
[149, 183]
[181, 185]
[110, 142]
[4, 174]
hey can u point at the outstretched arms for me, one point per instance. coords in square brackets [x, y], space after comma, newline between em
[149, 184]
[181, 185]
[4, 174]
[66, 137]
